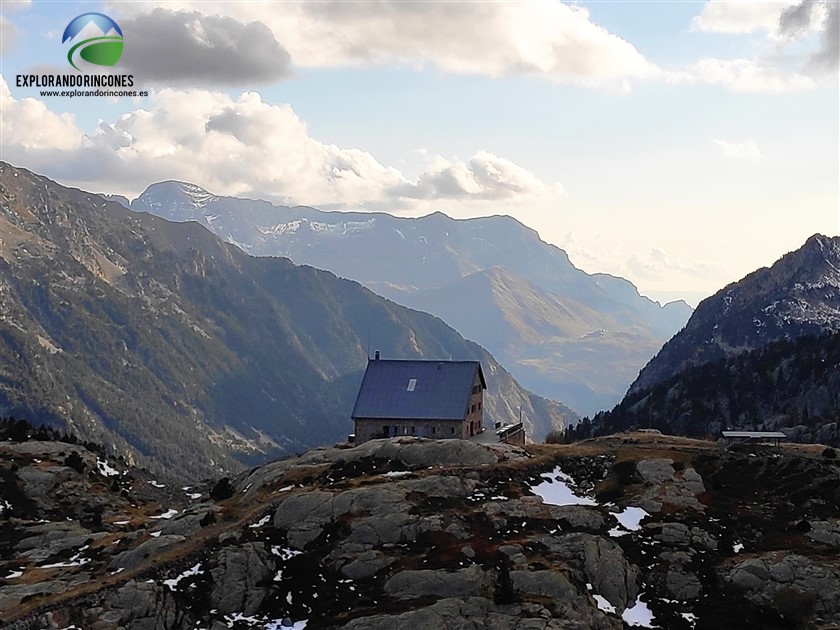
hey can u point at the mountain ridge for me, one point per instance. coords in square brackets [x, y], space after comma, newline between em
[401, 258]
[163, 342]
[798, 295]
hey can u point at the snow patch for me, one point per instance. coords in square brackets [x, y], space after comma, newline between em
[173, 583]
[263, 521]
[638, 615]
[555, 490]
[105, 469]
[283, 553]
[631, 517]
[603, 604]
[168, 514]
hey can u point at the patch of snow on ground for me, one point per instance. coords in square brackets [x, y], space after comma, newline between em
[737, 547]
[13, 575]
[155, 534]
[154, 483]
[615, 532]
[194, 495]
[168, 514]
[638, 615]
[690, 618]
[121, 522]
[284, 554]
[278, 624]
[264, 520]
[630, 517]
[75, 561]
[556, 491]
[396, 473]
[284, 489]
[105, 470]
[603, 604]
[173, 583]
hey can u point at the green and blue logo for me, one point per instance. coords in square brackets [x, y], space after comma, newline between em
[94, 38]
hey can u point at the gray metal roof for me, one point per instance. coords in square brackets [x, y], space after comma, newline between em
[441, 389]
[755, 435]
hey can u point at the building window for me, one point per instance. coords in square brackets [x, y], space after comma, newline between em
[412, 383]
[385, 429]
[434, 430]
[452, 430]
[412, 430]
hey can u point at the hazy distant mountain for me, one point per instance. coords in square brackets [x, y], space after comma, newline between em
[799, 295]
[559, 345]
[417, 261]
[165, 343]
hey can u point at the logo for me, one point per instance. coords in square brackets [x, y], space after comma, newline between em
[95, 38]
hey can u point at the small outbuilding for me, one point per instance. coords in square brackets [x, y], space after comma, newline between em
[432, 399]
[755, 437]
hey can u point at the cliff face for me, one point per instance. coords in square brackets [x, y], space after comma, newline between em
[798, 296]
[407, 533]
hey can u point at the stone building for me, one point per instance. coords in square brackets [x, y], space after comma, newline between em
[432, 399]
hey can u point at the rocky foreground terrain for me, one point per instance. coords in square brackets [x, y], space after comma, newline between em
[656, 531]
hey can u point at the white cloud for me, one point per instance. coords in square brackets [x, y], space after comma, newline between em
[8, 34]
[784, 22]
[744, 75]
[240, 146]
[13, 6]
[657, 264]
[725, 16]
[740, 150]
[187, 47]
[28, 126]
[540, 37]
[484, 176]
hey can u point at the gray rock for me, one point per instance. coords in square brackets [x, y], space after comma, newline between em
[682, 586]
[603, 564]
[477, 613]
[414, 584]
[44, 540]
[826, 532]
[142, 552]
[366, 564]
[552, 584]
[770, 578]
[238, 576]
[140, 606]
[656, 471]
[11, 596]
[184, 524]
[679, 534]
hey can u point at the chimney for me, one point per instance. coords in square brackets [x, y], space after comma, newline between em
[376, 356]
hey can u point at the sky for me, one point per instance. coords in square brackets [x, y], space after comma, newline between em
[678, 144]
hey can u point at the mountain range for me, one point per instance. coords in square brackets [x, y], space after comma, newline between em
[566, 334]
[186, 354]
[761, 354]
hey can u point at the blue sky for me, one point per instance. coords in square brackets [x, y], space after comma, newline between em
[680, 145]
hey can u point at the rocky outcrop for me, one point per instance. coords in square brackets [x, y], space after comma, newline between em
[347, 538]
